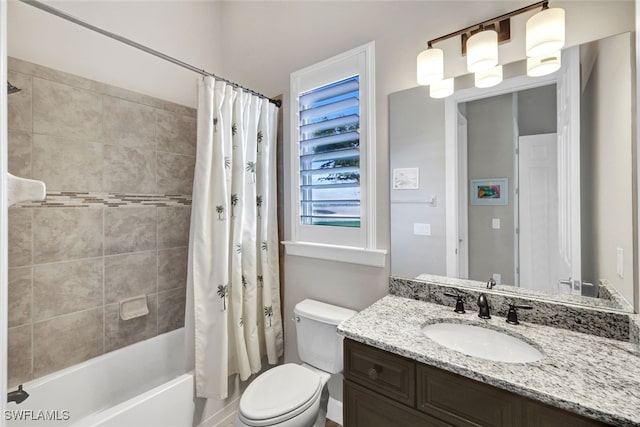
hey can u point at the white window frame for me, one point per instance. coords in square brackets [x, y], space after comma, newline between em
[353, 245]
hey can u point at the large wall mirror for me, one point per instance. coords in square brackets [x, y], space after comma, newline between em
[529, 183]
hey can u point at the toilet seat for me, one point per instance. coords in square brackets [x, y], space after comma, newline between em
[279, 394]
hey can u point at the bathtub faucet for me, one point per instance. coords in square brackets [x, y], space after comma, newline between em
[17, 396]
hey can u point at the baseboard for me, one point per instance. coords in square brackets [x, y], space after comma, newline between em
[229, 420]
[224, 416]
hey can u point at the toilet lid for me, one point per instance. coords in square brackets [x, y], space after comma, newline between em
[280, 390]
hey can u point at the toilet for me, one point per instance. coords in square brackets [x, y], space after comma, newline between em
[289, 395]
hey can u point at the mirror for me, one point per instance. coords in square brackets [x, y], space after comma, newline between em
[529, 183]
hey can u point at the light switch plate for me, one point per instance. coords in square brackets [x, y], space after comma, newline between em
[422, 229]
[495, 223]
[498, 278]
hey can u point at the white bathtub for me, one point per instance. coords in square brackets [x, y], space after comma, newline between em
[142, 385]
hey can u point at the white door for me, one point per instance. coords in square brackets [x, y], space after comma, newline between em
[570, 268]
[538, 207]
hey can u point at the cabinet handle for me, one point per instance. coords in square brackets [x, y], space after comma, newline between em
[373, 373]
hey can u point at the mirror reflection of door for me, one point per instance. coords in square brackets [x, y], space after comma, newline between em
[538, 198]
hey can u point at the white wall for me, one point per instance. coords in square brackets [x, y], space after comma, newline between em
[265, 41]
[187, 30]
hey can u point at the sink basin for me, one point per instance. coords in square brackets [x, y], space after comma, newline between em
[482, 342]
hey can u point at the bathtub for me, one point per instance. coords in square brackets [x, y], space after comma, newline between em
[142, 385]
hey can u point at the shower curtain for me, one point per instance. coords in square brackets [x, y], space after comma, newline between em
[233, 291]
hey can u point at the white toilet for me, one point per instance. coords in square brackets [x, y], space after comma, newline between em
[289, 395]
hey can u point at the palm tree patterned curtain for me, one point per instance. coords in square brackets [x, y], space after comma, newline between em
[233, 297]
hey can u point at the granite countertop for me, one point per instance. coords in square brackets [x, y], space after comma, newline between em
[593, 376]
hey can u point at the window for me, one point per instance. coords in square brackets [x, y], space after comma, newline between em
[333, 160]
[329, 142]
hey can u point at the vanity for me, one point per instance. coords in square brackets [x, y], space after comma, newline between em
[378, 380]
[397, 376]
[497, 193]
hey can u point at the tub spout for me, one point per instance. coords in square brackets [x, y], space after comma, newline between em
[17, 396]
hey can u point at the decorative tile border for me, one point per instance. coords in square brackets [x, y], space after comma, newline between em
[70, 199]
[601, 322]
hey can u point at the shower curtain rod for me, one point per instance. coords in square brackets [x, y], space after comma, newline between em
[57, 12]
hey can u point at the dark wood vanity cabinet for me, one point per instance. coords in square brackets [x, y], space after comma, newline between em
[382, 389]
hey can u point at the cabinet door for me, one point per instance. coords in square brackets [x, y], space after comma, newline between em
[464, 402]
[365, 408]
[379, 370]
[540, 415]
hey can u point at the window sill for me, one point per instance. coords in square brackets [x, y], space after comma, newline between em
[348, 254]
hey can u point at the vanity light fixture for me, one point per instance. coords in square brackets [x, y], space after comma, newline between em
[488, 78]
[545, 35]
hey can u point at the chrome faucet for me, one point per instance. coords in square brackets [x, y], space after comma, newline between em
[483, 303]
[491, 283]
[17, 396]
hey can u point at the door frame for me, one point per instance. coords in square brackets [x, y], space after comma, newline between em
[453, 174]
[635, 144]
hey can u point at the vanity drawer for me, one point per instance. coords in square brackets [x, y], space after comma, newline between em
[386, 373]
[464, 402]
[365, 408]
[540, 415]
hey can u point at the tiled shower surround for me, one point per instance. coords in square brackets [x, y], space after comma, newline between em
[118, 167]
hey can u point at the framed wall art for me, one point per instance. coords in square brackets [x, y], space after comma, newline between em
[489, 192]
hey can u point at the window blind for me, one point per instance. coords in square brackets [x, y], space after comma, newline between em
[330, 154]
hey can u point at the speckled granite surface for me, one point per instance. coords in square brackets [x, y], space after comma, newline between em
[600, 321]
[608, 291]
[634, 329]
[610, 297]
[589, 375]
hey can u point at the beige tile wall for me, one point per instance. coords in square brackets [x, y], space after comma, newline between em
[70, 266]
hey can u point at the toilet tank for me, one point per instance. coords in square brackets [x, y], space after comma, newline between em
[319, 344]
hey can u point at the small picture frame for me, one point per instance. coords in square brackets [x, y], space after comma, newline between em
[489, 192]
[406, 179]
